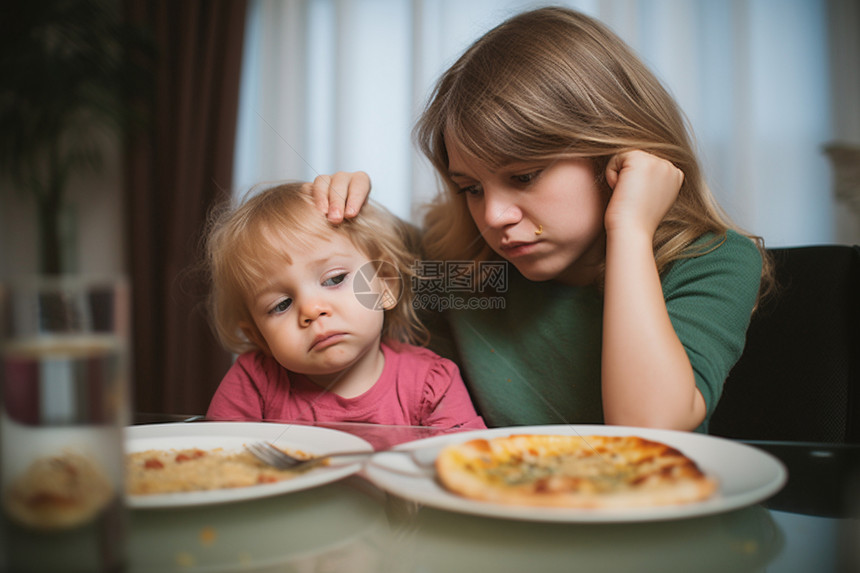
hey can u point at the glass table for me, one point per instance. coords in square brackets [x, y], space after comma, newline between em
[352, 526]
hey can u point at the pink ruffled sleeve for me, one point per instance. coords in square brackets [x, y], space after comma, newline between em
[239, 396]
[445, 402]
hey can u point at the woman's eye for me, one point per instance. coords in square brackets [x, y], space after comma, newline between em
[470, 190]
[282, 306]
[335, 280]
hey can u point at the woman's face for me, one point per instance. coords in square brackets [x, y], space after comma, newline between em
[545, 217]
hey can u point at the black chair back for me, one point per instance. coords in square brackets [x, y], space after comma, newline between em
[798, 378]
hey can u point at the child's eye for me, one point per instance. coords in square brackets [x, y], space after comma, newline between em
[282, 306]
[525, 178]
[335, 280]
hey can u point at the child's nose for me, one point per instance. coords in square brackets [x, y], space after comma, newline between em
[312, 310]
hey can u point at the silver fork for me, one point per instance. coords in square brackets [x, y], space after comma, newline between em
[277, 458]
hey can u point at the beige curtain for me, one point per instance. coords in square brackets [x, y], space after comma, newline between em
[751, 75]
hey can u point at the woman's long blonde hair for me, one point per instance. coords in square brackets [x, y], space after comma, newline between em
[242, 238]
[553, 83]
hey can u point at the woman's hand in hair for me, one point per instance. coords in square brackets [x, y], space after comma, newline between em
[342, 195]
[644, 187]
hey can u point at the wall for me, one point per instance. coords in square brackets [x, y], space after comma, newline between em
[96, 201]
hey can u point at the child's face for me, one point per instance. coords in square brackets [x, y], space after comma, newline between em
[546, 218]
[309, 316]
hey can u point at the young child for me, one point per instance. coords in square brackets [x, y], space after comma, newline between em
[322, 320]
[562, 154]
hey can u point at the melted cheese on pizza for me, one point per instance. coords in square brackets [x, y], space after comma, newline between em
[571, 470]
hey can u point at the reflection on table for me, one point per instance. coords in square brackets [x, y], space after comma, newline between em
[348, 526]
[353, 526]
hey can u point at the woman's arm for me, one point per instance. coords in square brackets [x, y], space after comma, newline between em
[341, 195]
[647, 378]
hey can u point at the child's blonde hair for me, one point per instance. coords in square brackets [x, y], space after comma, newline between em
[243, 238]
[549, 84]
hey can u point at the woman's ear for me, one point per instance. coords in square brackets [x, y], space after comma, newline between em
[253, 335]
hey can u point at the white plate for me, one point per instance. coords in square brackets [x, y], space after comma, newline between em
[746, 476]
[233, 436]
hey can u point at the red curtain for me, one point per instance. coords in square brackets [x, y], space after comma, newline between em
[176, 169]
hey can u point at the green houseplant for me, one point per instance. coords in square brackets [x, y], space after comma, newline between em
[68, 72]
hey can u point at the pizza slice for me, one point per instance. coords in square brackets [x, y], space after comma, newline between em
[573, 471]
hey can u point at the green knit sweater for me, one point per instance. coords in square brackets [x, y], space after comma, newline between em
[537, 361]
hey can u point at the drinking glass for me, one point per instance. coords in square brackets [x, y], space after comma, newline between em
[63, 406]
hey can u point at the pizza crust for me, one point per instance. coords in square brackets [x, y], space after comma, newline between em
[573, 471]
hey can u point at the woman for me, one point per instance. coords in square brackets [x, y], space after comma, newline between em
[562, 154]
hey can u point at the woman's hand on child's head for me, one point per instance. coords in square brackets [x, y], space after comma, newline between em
[342, 195]
[644, 187]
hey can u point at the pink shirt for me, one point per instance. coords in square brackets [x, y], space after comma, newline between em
[417, 388]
